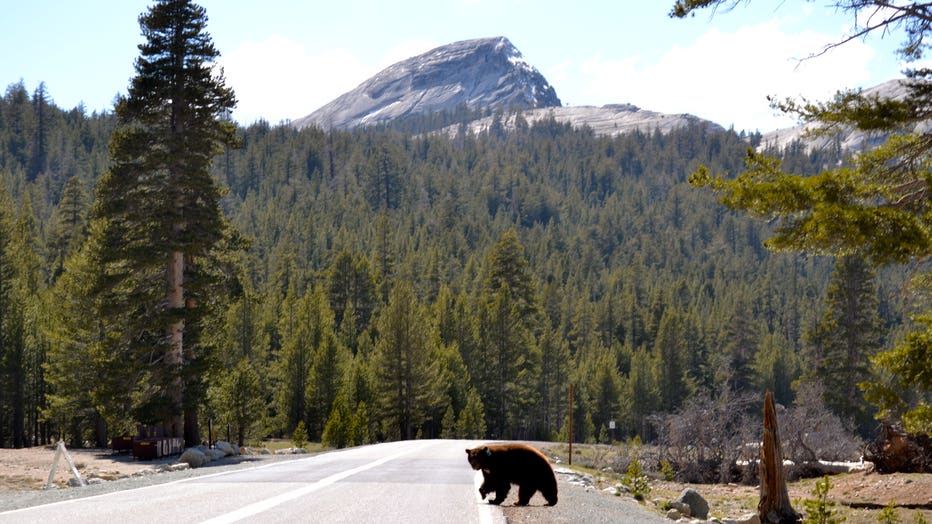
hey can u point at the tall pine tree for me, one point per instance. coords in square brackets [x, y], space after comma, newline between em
[159, 206]
[847, 334]
[406, 372]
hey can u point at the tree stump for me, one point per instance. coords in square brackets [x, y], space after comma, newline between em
[774, 506]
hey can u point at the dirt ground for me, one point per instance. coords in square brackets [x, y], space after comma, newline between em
[29, 468]
[858, 496]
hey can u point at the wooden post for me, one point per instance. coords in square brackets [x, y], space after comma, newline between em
[774, 506]
[570, 438]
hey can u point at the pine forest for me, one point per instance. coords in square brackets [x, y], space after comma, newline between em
[388, 284]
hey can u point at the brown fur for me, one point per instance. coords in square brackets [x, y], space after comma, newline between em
[505, 464]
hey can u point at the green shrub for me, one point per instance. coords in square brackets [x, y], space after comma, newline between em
[889, 515]
[820, 510]
[299, 437]
[636, 481]
[666, 470]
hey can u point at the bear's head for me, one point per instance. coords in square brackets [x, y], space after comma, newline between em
[478, 457]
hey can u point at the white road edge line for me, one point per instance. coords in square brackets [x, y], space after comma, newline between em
[487, 512]
[267, 504]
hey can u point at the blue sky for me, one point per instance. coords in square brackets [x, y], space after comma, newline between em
[286, 58]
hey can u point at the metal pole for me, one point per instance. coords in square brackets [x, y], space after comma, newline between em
[571, 424]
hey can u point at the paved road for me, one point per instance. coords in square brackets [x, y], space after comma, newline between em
[411, 482]
[425, 481]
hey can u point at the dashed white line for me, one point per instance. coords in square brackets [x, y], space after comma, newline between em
[267, 504]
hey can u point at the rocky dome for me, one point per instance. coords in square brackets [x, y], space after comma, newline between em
[488, 72]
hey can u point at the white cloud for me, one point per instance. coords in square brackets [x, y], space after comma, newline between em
[726, 77]
[277, 79]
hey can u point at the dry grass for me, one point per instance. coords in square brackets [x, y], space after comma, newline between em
[906, 490]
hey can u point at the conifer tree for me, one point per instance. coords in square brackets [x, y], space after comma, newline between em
[503, 349]
[556, 366]
[292, 367]
[39, 159]
[96, 389]
[31, 346]
[470, 423]
[733, 369]
[158, 208]
[406, 374]
[384, 176]
[776, 367]
[844, 338]
[503, 365]
[10, 333]
[237, 395]
[351, 287]
[328, 361]
[643, 392]
[507, 268]
[670, 352]
[337, 431]
[69, 227]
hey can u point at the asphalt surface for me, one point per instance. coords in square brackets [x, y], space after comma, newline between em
[426, 481]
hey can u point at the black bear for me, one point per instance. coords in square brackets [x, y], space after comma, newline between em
[505, 464]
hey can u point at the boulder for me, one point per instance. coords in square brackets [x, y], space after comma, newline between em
[682, 507]
[225, 447]
[750, 518]
[698, 507]
[290, 451]
[193, 457]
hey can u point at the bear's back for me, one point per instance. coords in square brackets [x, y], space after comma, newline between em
[519, 461]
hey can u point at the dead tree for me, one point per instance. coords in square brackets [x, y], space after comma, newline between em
[774, 506]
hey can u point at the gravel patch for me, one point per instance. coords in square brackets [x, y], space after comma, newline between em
[579, 501]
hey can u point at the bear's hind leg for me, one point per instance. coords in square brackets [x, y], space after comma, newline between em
[525, 492]
[550, 493]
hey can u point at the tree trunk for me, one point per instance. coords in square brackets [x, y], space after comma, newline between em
[174, 425]
[774, 506]
[19, 407]
[100, 431]
[192, 436]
